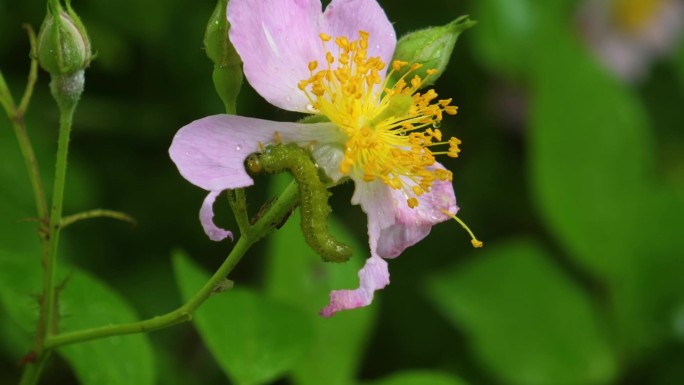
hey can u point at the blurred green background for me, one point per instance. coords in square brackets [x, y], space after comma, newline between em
[572, 177]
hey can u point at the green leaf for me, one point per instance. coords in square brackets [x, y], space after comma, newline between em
[418, 377]
[84, 302]
[87, 302]
[590, 154]
[255, 340]
[297, 275]
[508, 29]
[527, 322]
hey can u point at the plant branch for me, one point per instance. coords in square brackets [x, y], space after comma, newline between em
[97, 213]
[276, 212]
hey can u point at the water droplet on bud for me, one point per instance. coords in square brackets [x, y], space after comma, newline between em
[238, 147]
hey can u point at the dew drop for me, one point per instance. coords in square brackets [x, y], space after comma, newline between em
[238, 147]
[288, 98]
[377, 46]
[188, 153]
[437, 124]
[311, 108]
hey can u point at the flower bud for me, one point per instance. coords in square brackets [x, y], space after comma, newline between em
[218, 46]
[227, 74]
[63, 44]
[431, 47]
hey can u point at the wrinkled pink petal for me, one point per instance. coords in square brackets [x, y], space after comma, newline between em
[210, 152]
[206, 215]
[276, 40]
[373, 276]
[412, 225]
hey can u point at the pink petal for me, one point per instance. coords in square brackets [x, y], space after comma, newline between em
[348, 17]
[277, 39]
[412, 225]
[373, 276]
[206, 215]
[210, 152]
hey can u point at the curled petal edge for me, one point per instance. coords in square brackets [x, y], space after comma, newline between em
[206, 216]
[373, 276]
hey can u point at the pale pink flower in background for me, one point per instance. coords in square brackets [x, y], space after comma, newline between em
[627, 35]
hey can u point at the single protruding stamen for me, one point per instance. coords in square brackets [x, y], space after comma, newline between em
[473, 240]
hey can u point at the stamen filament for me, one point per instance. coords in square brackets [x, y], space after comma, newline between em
[473, 240]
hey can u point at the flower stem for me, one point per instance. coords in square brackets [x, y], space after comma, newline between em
[273, 216]
[32, 372]
[49, 311]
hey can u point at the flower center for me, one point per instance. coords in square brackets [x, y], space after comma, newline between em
[633, 15]
[390, 131]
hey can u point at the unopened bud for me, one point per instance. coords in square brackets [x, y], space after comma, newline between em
[431, 47]
[227, 74]
[63, 44]
[218, 46]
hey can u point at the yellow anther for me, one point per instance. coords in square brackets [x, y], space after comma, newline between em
[418, 190]
[325, 37]
[473, 240]
[432, 71]
[412, 202]
[345, 166]
[416, 82]
[415, 66]
[451, 110]
[397, 64]
[313, 65]
[329, 57]
[342, 42]
[276, 137]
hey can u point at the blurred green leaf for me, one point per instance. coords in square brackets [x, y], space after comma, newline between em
[84, 302]
[648, 294]
[87, 302]
[297, 275]
[528, 322]
[590, 152]
[508, 28]
[418, 377]
[255, 340]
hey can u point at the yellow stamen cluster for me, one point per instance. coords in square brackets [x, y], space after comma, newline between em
[390, 130]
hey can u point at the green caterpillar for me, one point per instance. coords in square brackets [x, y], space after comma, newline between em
[313, 196]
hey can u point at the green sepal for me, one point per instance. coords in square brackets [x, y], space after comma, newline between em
[431, 47]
